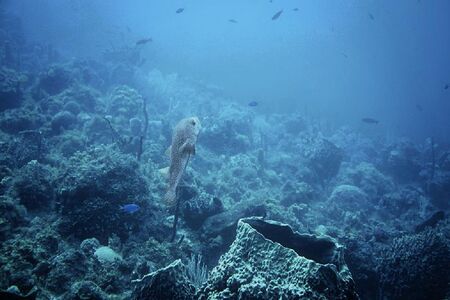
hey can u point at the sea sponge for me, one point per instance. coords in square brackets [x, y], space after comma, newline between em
[349, 197]
[106, 254]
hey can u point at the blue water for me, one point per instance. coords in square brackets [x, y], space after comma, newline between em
[328, 57]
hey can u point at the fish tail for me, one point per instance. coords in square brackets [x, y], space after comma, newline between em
[170, 197]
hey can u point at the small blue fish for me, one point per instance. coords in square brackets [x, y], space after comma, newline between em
[130, 208]
[253, 103]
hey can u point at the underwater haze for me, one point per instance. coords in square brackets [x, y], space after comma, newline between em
[381, 58]
[240, 149]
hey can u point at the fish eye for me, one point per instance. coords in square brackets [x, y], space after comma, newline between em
[193, 122]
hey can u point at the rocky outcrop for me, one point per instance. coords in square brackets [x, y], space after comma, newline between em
[324, 158]
[268, 260]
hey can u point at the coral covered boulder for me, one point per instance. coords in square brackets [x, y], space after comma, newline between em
[15, 121]
[92, 188]
[10, 90]
[296, 193]
[63, 120]
[407, 198]
[199, 208]
[12, 217]
[66, 267]
[230, 133]
[324, 158]
[125, 102]
[369, 179]
[56, 79]
[33, 186]
[439, 189]
[268, 260]
[402, 161]
[348, 197]
[415, 266]
[85, 290]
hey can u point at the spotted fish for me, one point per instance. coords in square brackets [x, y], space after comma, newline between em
[183, 146]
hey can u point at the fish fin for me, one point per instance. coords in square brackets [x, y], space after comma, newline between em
[188, 148]
[164, 171]
[183, 147]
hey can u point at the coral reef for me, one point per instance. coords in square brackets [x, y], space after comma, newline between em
[324, 158]
[10, 90]
[91, 189]
[347, 197]
[439, 189]
[170, 282]
[297, 192]
[197, 210]
[33, 186]
[13, 216]
[369, 179]
[230, 134]
[55, 80]
[81, 138]
[415, 267]
[403, 161]
[16, 121]
[85, 290]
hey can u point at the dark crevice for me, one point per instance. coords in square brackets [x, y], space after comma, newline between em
[319, 249]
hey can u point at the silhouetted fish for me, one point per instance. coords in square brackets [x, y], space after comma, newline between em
[180, 10]
[143, 41]
[277, 15]
[253, 103]
[295, 9]
[370, 121]
[371, 17]
[232, 21]
[446, 87]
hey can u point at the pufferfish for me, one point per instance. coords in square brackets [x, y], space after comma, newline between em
[183, 146]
